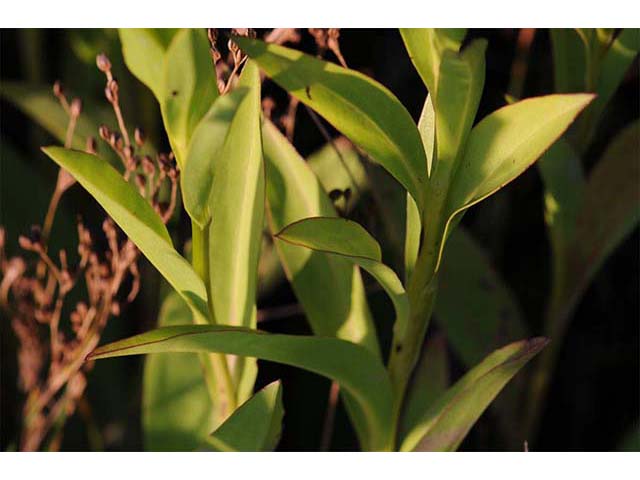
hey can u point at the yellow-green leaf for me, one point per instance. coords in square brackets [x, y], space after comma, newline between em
[254, 427]
[362, 109]
[360, 374]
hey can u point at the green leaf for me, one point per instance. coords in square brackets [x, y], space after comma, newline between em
[137, 218]
[615, 64]
[610, 210]
[447, 422]
[569, 60]
[144, 52]
[205, 155]
[189, 87]
[362, 109]
[563, 177]
[497, 151]
[254, 427]
[339, 169]
[360, 374]
[339, 236]
[329, 288]
[489, 315]
[176, 408]
[426, 46]
[413, 230]
[430, 379]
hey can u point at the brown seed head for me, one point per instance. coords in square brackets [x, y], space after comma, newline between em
[138, 135]
[76, 107]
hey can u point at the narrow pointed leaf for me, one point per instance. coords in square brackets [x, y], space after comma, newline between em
[489, 315]
[346, 238]
[426, 46]
[569, 57]
[362, 109]
[254, 427]
[448, 421]
[329, 288]
[205, 150]
[189, 87]
[176, 409]
[360, 373]
[144, 51]
[497, 151]
[237, 212]
[137, 219]
[610, 210]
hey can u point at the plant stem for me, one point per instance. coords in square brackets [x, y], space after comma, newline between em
[406, 346]
[215, 366]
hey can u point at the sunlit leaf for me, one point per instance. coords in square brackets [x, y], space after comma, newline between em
[329, 288]
[362, 109]
[144, 51]
[497, 151]
[339, 236]
[360, 374]
[176, 409]
[254, 427]
[189, 87]
[204, 156]
[426, 46]
[137, 219]
[448, 421]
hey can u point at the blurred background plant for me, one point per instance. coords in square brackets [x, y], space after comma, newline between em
[585, 190]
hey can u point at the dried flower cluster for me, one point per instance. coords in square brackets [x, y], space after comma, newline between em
[34, 287]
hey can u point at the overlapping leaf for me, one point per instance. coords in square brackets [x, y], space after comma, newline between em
[137, 219]
[447, 422]
[254, 427]
[344, 237]
[361, 375]
[362, 109]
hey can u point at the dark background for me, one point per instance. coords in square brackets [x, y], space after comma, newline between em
[594, 398]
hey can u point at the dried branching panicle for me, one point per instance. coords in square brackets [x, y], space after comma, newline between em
[34, 287]
[327, 38]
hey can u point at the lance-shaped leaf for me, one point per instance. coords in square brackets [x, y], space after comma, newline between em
[497, 151]
[137, 218]
[204, 156]
[447, 422]
[237, 212]
[254, 427]
[362, 109]
[429, 381]
[360, 374]
[339, 236]
[489, 316]
[569, 60]
[426, 46]
[329, 288]
[144, 51]
[189, 87]
[615, 64]
[176, 409]
[610, 210]
[413, 230]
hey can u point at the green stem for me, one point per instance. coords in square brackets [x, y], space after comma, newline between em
[216, 369]
[406, 348]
